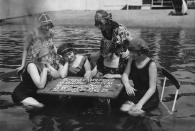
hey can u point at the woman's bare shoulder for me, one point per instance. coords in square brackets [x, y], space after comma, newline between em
[31, 66]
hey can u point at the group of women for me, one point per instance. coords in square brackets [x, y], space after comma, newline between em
[120, 56]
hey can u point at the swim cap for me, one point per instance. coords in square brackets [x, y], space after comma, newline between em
[102, 14]
[43, 52]
[44, 19]
[63, 49]
[138, 45]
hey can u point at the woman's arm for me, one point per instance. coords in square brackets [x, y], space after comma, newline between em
[87, 67]
[94, 71]
[152, 85]
[125, 78]
[55, 49]
[63, 69]
[112, 76]
[24, 55]
[38, 79]
[28, 42]
[54, 73]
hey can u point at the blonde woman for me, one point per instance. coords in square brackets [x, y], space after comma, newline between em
[143, 93]
[72, 63]
[35, 77]
[41, 37]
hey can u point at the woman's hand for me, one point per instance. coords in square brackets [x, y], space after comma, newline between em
[54, 73]
[108, 76]
[66, 59]
[125, 54]
[20, 70]
[130, 90]
[87, 76]
[45, 68]
[99, 75]
[136, 107]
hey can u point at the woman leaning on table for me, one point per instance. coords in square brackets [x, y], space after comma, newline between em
[143, 93]
[72, 63]
[112, 33]
[110, 64]
[35, 76]
[41, 37]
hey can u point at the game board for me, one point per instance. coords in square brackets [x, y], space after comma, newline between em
[75, 86]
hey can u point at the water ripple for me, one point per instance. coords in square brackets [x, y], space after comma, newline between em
[172, 48]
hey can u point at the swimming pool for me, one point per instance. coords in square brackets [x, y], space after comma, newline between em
[173, 48]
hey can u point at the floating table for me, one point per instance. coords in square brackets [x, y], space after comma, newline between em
[76, 86]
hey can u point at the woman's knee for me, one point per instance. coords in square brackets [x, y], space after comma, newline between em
[31, 102]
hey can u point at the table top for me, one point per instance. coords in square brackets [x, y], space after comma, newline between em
[76, 86]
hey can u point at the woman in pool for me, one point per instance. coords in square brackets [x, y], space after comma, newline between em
[39, 38]
[34, 77]
[110, 64]
[112, 32]
[73, 64]
[143, 96]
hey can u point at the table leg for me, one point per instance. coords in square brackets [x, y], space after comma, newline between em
[108, 105]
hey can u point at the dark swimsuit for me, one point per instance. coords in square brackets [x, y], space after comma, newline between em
[108, 35]
[115, 103]
[140, 79]
[107, 70]
[78, 71]
[25, 89]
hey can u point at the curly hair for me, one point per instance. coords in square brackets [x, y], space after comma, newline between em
[64, 48]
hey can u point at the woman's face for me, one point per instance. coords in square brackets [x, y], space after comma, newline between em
[102, 26]
[136, 54]
[70, 55]
[46, 59]
[101, 23]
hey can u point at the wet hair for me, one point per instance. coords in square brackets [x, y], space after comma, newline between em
[104, 15]
[105, 47]
[65, 48]
[44, 19]
[119, 48]
[138, 45]
[43, 52]
[108, 47]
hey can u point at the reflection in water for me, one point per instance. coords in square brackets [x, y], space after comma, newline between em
[63, 117]
[172, 48]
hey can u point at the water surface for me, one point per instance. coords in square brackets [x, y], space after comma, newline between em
[172, 48]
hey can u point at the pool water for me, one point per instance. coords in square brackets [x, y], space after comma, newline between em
[173, 48]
